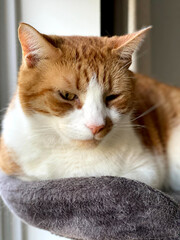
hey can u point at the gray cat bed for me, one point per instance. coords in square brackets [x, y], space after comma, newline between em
[94, 208]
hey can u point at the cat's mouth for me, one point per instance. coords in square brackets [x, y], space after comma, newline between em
[94, 141]
[103, 133]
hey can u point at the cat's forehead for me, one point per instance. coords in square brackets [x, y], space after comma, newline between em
[83, 58]
[82, 48]
[76, 41]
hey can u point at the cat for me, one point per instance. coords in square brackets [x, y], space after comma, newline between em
[79, 111]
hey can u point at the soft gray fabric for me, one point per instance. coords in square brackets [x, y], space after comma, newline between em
[105, 208]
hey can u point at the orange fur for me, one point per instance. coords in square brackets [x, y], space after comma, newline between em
[69, 67]
[71, 71]
[165, 115]
[7, 158]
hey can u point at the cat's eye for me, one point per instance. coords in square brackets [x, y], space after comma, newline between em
[112, 97]
[67, 95]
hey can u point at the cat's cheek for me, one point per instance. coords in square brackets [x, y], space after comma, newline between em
[114, 115]
[72, 126]
[78, 134]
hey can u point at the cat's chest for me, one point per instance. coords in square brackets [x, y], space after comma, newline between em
[112, 158]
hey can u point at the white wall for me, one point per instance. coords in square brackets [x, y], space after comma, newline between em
[62, 17]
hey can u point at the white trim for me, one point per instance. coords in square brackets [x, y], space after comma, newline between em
[132, 26]
[139, 16]
[10, 226]
[11, 53]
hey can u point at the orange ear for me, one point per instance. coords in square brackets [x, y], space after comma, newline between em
[125, 45]
[34, 46]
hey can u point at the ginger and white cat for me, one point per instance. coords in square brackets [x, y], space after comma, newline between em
[79, 111]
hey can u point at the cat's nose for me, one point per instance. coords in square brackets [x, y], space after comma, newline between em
[95, 129]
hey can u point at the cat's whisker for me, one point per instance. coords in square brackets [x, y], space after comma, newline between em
[129, 127]
[35, 136]
[127, 124]
[147, 112]
[133, 126]
[38, 134]
[41, 133]
[42, 130]
[140, 55]
[124, 66]
[135, 59]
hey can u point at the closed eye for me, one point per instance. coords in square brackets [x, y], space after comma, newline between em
[67, 95]
[112, 97]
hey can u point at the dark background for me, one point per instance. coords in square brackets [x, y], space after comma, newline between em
[160, 55]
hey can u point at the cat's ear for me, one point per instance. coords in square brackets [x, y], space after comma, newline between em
[34, 46]
[127, 44]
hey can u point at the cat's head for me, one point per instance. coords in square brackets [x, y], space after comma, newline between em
[80, 87]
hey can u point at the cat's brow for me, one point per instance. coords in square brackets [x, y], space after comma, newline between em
[110, 83]
[104, 77]
[97, 73]
[77, 83]
[85, 74]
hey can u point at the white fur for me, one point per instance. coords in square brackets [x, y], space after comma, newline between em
[94, 107]
[46, 146]
[174, 159]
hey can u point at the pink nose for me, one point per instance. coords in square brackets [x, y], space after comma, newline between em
[95, 129]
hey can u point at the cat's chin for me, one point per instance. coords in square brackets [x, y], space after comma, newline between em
[90, 143]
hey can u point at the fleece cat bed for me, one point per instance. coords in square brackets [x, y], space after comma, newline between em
[94, 208]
